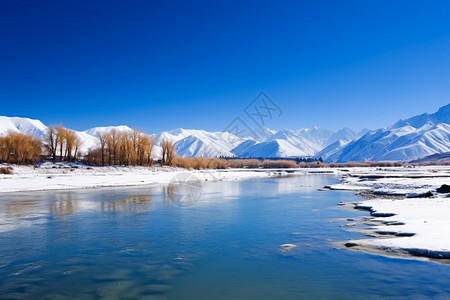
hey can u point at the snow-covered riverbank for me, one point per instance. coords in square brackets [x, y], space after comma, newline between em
[61, 176]
[409, 215]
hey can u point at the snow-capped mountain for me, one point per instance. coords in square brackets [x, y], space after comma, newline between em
[441, 116]
[345, 134]
[308, 141]
[273, 148]
[406, 140]
[338, 141]
[439, 157]
[201, 143]
[99, 130]
[21, 125]
[332, 149]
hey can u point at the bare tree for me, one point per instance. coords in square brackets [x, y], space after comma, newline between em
[144, 149]
[76, 145]
[70, 136]
[61, 140]
[112, 142]
[51, 141]
[125, 148]
[103, 138]
[168, 150]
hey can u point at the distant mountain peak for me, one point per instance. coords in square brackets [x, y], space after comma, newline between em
[444, 110]
[441, 116]
[406, 140]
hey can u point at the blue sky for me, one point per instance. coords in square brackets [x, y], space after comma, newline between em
[158, 65]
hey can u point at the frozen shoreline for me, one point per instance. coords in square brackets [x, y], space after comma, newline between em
[66, 176]
[408, 215]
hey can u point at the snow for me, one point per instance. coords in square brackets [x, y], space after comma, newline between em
[427, 219]
[21, 125]
[99, 130]
[63, 176]
[274, 148]
[331, 149]
[200, 143]
[308, 141]
[424, 218]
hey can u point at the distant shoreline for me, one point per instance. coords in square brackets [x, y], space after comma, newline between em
[69, 176]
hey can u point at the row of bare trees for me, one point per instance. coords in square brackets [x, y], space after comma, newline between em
[18, 148]
[122, 148]
[62, 143]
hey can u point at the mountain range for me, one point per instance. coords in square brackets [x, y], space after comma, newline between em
[406, 140]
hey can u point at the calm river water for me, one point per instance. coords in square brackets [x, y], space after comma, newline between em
[133, 243]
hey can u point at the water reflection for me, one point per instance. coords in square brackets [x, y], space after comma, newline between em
[25, 209]
[21, 208]
[133, 203]
[131, 244]
[64, 204]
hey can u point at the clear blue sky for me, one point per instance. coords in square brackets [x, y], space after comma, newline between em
[158, 65]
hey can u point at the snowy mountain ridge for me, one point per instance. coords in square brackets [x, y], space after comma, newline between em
[21, 125]
[409, 139]
[406, 140]
[201, 143]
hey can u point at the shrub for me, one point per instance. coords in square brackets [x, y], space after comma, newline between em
[279, 164]
[201, 163]
[244, 163]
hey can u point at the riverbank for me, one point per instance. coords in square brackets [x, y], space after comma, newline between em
[408, 208]
[65, 176]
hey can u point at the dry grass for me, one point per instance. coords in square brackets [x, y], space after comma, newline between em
[5, 170]
[350, 164]
[432, 163]
[285, 164]
[200, 163]
[244, 163]
[214, 163]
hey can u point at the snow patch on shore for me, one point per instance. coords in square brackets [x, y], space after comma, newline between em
[416, 221]
[427, 219]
